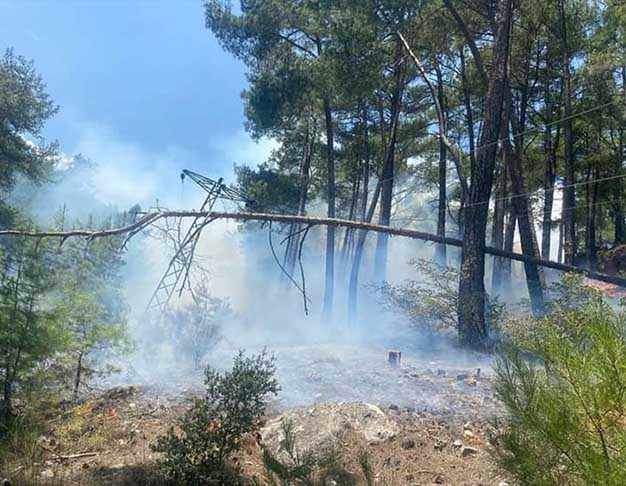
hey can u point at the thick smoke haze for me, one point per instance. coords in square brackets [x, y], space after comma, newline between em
[238, 265]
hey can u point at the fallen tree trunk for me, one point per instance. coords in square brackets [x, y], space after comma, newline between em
[150, 218]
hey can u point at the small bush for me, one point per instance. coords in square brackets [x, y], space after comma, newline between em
[195, 328]
[566, 405]
[430, 302]
[211, 431]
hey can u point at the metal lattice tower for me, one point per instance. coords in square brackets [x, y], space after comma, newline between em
[177, 273]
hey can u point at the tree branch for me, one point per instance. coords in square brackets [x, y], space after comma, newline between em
[150, 218]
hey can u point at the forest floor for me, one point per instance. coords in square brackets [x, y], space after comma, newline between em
[438, 414]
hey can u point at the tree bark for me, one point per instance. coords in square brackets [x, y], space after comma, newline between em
[473, 329]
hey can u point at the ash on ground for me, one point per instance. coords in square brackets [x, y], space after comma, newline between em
[439, 380]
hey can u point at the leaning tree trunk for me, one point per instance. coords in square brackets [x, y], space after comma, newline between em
[329, 283]
[472, 300]
[522, 206]
[523, 212]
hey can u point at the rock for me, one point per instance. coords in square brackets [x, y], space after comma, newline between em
[441, 372]
[318, 426]
[393, 407]
[117, 466]
[439, 479]
[46, 474]
[469, 451]
[440, 445]
[462, 376]
[471, 382]
[5, 482]
[468, 434]
[457, 444]
[407, 443]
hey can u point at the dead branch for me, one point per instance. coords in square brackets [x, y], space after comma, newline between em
[302, 290]
[150, 218]
[74, 456]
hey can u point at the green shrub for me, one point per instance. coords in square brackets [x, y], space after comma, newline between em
[566, 404]
[430, 302]
[194, 329]
[196, 452]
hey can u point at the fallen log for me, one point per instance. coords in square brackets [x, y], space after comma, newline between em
[150, 218]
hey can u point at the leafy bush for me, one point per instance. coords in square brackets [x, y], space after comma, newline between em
[430, 303]
[195, 328]
[567, 406]
[211, 431]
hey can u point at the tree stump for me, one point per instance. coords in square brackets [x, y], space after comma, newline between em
[395, 357]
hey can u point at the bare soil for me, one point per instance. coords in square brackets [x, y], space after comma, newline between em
[442, 408]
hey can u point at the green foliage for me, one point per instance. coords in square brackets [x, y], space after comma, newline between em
[26, 106]
[31, 330]
[196, 452]
[430, 303]
[90, 298]
[195, 328]
[566, 408]
[270, 190]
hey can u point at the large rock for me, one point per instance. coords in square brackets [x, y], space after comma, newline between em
[318, 426]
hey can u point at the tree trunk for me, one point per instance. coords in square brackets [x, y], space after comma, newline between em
[78, 375]
[440, 252]
[366, 164]
[358, 254]
[499, 213]
[524, 219]
[549, 179]
[569, 192]
[521, 203]
[386, 194]
[471, 307]
[329, 283]
[591, 236]
[505, 283]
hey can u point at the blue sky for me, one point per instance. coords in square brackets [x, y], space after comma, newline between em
[144, 90]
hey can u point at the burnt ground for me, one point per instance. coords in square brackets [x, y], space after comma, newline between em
[442, 403]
